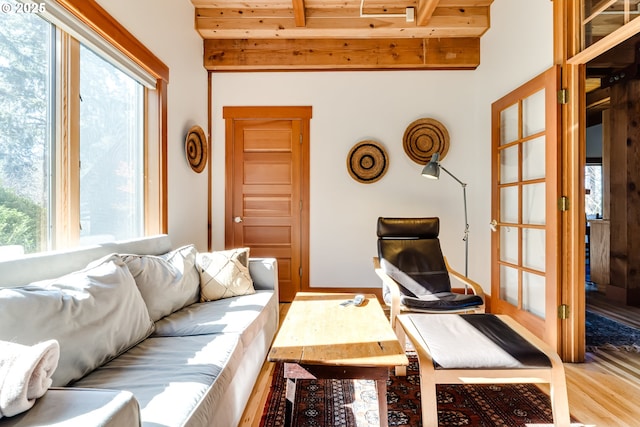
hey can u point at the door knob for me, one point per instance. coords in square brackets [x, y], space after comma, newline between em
[494, 225]
[237, 220]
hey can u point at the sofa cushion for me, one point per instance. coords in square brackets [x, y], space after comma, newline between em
[77, 407]
[224, 274]
[95, 314]
[245, 315]
[167, 282]
[177, 381]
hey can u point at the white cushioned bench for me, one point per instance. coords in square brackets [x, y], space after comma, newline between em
[481, 348]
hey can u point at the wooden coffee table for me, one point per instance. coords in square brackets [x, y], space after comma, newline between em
[321, 339]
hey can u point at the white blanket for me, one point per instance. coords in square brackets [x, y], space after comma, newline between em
[25, 374]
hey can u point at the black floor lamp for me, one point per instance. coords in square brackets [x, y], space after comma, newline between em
[432, 170]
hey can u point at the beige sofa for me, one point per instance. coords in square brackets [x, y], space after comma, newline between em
[137, 347]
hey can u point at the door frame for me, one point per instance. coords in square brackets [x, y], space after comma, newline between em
[567, 53]
[302, 113]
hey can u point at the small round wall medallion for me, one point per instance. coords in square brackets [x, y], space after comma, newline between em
[425, 137]
[195, 147]
[367, 162]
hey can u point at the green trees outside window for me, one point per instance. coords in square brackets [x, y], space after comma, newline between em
[25, 136]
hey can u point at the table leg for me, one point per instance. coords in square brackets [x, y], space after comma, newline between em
[290, 401]
[382, 402]
[401, 371]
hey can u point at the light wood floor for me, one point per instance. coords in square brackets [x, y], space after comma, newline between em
[628, 315]
[603, 391]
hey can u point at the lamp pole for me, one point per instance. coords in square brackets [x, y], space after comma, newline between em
[466, 221]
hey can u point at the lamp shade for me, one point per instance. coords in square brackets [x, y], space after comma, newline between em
[432, 169]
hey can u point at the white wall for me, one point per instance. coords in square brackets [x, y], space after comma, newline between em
[351, 106]
[166, 27]
[347, 108]
[518, 47]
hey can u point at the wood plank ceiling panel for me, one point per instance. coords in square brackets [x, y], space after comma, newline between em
[320, 24]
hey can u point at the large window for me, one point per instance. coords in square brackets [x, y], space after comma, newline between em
[82, 146]
[26, 103]
[111, 156]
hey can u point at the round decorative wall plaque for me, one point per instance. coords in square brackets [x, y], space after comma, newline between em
[195, 147]
[425, 137]
[367, 162]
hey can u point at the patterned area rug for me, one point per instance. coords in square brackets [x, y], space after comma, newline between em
[345, 403]
[605, 333]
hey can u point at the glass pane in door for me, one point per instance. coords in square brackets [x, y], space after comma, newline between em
[509, 165]
[533, 248]
[533, 159]
[509, 284]
[508, 211]
[509, 124]
[509, 248]
[533, 294]
[533, 204]
[533, 114]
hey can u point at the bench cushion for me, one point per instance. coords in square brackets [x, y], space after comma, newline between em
[476, 341]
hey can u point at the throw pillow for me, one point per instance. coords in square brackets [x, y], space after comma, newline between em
[95, 314]
[224, 274]
[167, 282]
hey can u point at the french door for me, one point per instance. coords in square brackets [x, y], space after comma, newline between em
[525, 205]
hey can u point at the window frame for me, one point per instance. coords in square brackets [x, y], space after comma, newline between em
[66, 181]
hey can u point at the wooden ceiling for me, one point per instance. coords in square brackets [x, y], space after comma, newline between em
[341, 34]
[612, 67]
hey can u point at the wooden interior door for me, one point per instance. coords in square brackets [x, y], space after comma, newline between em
[267, 188]
[525, 206]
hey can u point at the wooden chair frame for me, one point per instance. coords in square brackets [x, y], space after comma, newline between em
[429, 376]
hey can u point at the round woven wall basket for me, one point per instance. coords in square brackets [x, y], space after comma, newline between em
[367, 162]
[195, 147]
[425, 137]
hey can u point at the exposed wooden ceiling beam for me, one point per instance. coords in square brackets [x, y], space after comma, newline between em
[343, 23]
[425, 11]
[299, 13]
[332, 4]
[341, 54]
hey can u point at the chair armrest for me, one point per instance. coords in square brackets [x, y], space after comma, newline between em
[475, 287]
[393, 288]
